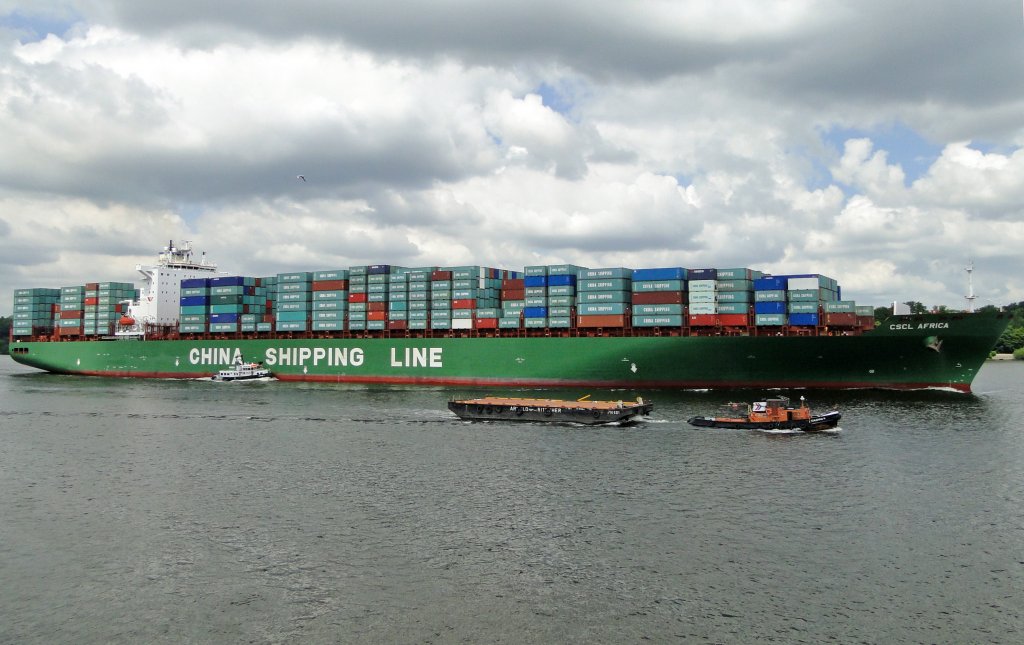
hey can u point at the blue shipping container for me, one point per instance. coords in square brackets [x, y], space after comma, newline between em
[561, 280]
[535, 312]
[194, 283]
[223, 318]
[195, 301]
[666, 273]
[770, 284]
[769, 307]
[535, 281]
[803, 319]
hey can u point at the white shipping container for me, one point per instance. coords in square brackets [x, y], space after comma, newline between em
[701, 285]
[462, 323]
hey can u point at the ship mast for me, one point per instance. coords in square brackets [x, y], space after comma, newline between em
[970, 297]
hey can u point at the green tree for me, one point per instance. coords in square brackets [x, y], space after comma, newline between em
[5, 334]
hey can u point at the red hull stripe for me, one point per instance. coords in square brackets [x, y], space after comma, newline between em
[497, 382]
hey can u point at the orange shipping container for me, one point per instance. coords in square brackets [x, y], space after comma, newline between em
[703, 320]
[330, 285]
[733, 320]
[841, 320]
[617, 320]
[467, 303]
[92, 301]
[486, 323]
[357, 297]
[376, 315]
[658, 298]
[71, 314]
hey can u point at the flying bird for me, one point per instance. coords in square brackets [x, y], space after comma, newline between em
[300, 177]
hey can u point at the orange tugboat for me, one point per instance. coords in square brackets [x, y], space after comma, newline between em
[771, 414]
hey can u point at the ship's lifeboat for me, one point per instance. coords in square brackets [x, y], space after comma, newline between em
[126, 321]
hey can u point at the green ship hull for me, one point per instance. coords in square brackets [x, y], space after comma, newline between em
[907, 352]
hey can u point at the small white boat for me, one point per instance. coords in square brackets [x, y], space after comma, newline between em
[242, 371]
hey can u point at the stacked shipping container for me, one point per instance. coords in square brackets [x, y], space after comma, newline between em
[34, 311]
[384, 297]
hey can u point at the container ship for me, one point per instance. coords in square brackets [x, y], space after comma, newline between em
[544, 326]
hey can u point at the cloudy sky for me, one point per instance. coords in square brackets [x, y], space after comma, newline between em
[877, 142]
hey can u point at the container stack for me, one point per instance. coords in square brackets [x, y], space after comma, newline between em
[194, 306]
[735, 296]
[603, 297]
[378, 286]
[234, 301]
[513, 302]
[398, 299]
[535, 311]
[293, 305]
[419, 297]
[109, 305]
[329, 299]
[658, 297]
[561, 294]
[805, 296]
[702, 297]
[770, 301]
[441, 299]
[72, 311]
[357, 298]
[266, 322]
[34, 311]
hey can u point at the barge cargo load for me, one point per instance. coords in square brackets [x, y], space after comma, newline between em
[557, 326]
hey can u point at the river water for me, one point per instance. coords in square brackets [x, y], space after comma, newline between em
[163, 511]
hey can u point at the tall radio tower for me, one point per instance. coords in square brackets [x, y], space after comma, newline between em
[970, 286]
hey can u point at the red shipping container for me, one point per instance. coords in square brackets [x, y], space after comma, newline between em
[118, 308]
[616, 320]
[733, 320]
[467, 303]
[867, 322]
[441, 275]
[397, 325]
[92, 301]
[703, 320]
[71, 314]
[841, 319]
[376, 306]
[658, 298]
[92, 286]
[486, 323]
[513, 294]
[376, 315]
[330, 285]
[517, 284]
[268, 318]
[357, 297]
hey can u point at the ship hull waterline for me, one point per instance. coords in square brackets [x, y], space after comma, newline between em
[920, 352]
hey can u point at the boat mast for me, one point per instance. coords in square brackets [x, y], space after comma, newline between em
[970, 297]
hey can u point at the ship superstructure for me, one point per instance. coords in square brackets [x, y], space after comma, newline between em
[160, 292]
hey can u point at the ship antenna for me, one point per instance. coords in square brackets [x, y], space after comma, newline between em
[970, 287]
